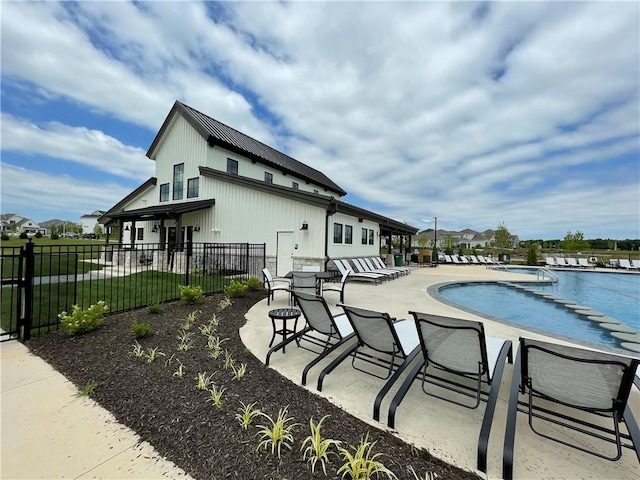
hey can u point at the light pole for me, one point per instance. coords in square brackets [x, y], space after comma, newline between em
[435, 238]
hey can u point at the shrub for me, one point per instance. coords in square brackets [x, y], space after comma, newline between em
[532, 254]
[24, 235]
[190, 294]
[141, 330]
[254, 284]
[38, 234]
[82, 321]
[4, 236]
[235, 289]
[54, 236]
[155, 306]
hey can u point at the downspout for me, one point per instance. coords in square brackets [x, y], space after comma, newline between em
[331, 209]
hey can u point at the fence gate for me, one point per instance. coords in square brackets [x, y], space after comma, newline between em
[17, 265]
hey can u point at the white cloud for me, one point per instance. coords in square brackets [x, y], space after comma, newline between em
[451, 109]
[44, 195]
[91, 148]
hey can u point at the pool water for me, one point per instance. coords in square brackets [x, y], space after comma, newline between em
[616, 295]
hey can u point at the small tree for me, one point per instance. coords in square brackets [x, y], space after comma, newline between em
[574, 242]
[532, 254]
[502, 238]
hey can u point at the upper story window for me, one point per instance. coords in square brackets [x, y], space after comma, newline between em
[348, 234]
[232, 166]
[193, 185]
[364, 236]
[268, 177]
[370, 237]
[337, 233]
[164, 192]
[178, 181]
[295, 185]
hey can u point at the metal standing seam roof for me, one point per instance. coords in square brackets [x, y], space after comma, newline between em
[217, 133]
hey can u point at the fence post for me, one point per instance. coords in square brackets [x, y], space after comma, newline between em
[188, 260]
[24, 330]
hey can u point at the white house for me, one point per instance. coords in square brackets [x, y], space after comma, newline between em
[90, 220]
[215, 184]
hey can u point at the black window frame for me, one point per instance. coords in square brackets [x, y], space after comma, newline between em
[232, 166]
[337, 229]
[371, 235]
[178, 181]
[365, 236]
[165, 190]
[191, 189]
[140, 233]
[295, 185]
[268, 177]
[348, 235]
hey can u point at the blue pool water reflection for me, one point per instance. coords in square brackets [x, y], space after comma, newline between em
[616, 295]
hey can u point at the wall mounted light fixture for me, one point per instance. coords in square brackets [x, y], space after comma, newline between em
[126, 229]
[155, 228]
[196, 228]
[305, 226]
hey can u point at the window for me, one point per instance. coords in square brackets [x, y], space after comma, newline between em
[193, 185]
[268, 177]
[232, 166]
[140, 232]
[364, 236]
[370, 237]
[295, 185]
[337, 233]
[348, 234]
[178, 181]
[164, 192]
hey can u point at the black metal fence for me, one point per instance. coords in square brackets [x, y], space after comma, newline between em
[40, 281]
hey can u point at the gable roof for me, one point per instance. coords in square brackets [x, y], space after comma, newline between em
[118, 207]
[96, 213]
[219, 134]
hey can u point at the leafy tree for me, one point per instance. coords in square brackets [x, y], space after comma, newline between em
[574, 242]
[97, 229]
[502, 237]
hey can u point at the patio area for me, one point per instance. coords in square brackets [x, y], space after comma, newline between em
[446, 430]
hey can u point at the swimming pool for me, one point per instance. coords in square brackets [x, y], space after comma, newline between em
[614, 294]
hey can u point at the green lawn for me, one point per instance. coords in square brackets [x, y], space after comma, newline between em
[120, 293]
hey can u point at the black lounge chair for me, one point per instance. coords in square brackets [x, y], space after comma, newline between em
[383, 342]
[584, 382]
[459, 357]
[336, 330]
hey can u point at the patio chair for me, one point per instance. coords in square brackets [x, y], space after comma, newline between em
[343, 267]
[395, 272]
[457, 356]
[635, 264]
[560, 262]
[383, 342]
[329, 331]
[362, 267]
[304, 282]
[584, 263]
[464, 260]
[339, 287]
[572, 262]
[587, 385]
[378, 263]
[550, 262]
[482, 259]
[447, 258]
[474, 260]
[272, 286]
[624, 263]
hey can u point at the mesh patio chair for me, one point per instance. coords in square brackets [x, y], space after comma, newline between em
[343, 266]
[383, 342]
[329, 331]
[586, 385]
[459, 357]
[304, 282]
[273, 286]
[337, 287]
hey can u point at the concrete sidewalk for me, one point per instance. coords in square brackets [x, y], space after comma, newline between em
[48, 432]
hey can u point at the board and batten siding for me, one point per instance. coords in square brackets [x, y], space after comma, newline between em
[183, 144]
[242, 214]
[217, 159]
[355, 249]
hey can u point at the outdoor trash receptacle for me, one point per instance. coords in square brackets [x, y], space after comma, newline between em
[398, 259]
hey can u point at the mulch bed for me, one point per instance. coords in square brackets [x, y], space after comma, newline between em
[174, 416]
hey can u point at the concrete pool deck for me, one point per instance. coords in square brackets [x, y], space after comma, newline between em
[82, 440]
[447, 431]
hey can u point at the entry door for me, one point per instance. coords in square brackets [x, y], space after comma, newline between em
[284, 255]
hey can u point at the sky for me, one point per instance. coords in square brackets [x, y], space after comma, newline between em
[522, 114]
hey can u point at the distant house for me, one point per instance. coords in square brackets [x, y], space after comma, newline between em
[9, 222]
[466, 238]
[215, 184]
[89, 221]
